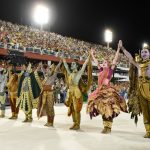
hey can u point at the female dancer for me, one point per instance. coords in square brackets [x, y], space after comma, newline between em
[105, 100]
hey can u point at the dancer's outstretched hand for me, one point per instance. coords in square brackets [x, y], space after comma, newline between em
[120, 45]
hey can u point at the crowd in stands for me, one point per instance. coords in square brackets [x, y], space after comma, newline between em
[26, 38]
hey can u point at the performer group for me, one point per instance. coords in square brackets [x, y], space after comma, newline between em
[28, 90]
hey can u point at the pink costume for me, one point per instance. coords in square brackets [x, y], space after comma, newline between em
[105, 100]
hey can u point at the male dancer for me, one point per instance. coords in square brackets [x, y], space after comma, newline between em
[46, 102]
[28, 91]
[74, 98]
[12, 91]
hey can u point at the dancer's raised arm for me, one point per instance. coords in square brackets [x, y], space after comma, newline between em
[80, 73]
[66, 66]
[58, 66]
[116, 55]
[95, 60]
[128, 55]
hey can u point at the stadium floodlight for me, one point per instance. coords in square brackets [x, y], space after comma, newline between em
[41, 15]
[145, 45]
[108, 37]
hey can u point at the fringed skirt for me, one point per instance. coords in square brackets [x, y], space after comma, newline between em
[107, 102]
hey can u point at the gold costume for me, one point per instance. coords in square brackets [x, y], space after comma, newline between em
[46, 101]
[139, 93]
[48, 98]
[46, 105]
[76, 89]
[29, 90]
[74, 101]
[26, 96]
[12, 90]
[144, 93]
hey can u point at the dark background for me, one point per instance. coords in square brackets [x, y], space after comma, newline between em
[87, 19]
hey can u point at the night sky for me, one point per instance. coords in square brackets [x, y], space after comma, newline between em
[87, 19]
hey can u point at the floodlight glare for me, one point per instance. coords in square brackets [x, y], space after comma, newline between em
[41, 14]
[108, 36]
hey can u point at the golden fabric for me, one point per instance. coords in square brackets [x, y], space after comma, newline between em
[25, 102]
[12, 91]
[144, 87]
[74, 101]
[26, 99]
[76, 116]
[133, 94]
[13, 83]
[145, 105]
[144, 80]
[106, 102]
[74, 96]
[28, 115]
[13, 95]
[147, 127]
[48, 102]
[144, 96]
[139, 92]
[13, 86]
